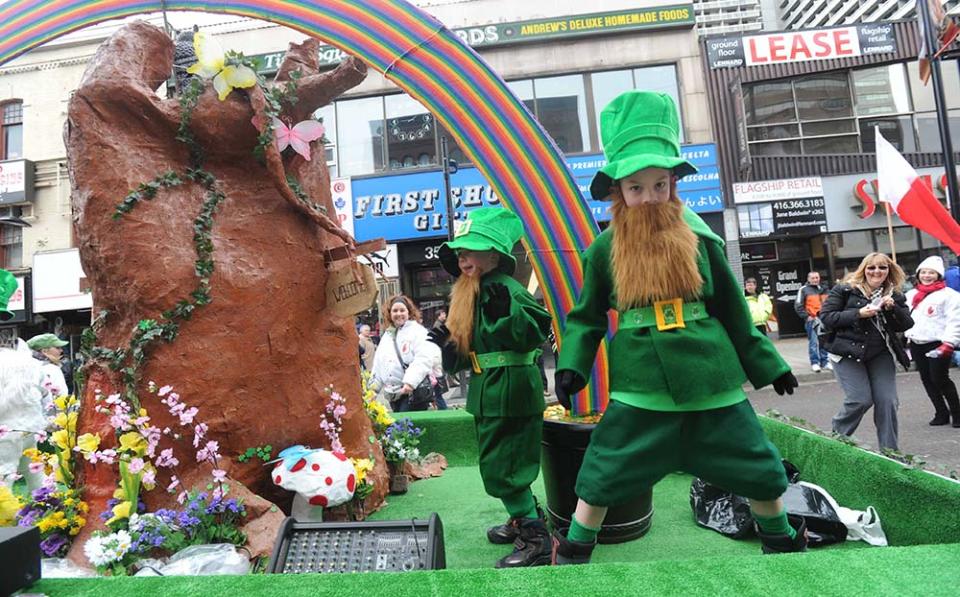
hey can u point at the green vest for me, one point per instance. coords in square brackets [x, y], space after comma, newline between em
[700, 366]
[511, 391]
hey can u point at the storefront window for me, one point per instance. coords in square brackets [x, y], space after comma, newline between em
[928, 131]
[361, 149]
[755, 220]
[923, 94]
[562, 110]
[898, 130]
[824, 145]
[881, 90]
[823, 96]
[328, 116]
[11, 247]
[769, 103]
[411, 133]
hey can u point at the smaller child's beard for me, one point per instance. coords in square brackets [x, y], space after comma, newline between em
[460, 317]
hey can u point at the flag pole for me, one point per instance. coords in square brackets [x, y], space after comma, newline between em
[893, 244]
[946, 143]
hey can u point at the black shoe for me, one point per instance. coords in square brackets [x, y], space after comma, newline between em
[783, 543]
[956, 420]
[532, 548]
[567, 552]
[505, 533]
[939, 419]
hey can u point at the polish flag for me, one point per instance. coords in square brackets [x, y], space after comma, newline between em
[911, 199]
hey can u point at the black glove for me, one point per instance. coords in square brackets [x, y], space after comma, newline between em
[439, 335]
[785, 383]
[497, 305]
[566, 383]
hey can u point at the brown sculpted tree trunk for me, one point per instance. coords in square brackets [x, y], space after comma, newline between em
[256, 361]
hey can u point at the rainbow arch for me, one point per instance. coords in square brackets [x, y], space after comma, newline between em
[423, 57]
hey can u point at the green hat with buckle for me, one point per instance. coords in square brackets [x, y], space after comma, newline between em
[45, 341]
[485, 229]
[639, 129]
[8, 285]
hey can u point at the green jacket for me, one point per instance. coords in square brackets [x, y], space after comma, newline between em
[505, 391]
[697, 367]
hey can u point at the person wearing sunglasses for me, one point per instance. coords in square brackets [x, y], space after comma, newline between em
[862, 317]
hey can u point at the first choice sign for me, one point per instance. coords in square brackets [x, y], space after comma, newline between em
[801, 46]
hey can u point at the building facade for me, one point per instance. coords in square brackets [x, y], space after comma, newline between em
[563, 59]
[795, 115]
[810, 14]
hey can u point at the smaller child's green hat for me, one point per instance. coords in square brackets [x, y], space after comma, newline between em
[485, 229]
[8, 285]
[639, 129]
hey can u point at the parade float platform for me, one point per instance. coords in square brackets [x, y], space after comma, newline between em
[918, 512]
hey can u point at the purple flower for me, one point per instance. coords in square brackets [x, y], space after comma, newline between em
[52, 545]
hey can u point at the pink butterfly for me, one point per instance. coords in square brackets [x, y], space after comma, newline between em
[298, 137]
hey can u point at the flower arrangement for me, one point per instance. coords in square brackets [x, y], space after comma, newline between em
[400, 441]
[364, 488]
[377, 412]
[58, 512]
[331, 419]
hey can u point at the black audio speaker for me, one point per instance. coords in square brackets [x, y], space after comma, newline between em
[370, 546]
[19, 558]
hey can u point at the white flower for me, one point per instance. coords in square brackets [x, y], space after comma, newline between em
[94, 551]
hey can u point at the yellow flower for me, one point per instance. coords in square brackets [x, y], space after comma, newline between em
[118, 493]
[83, 507]
[212, 64]
[66, 421]
[120, 511]
[133, 442]
[88, 442]
[9, 506]
[61, 402]
[46, 523]
[147, 467]
[33, 454]
[61, 439]
[362, 466]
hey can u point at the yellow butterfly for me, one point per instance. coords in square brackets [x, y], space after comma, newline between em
[227, 74]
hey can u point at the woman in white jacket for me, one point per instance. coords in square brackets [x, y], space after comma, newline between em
[404, 357]
[935, 309]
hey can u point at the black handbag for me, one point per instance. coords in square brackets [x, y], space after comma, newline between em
[422, 395]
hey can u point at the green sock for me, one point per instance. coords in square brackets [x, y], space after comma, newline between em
[580, 533]
[775, 525]
[520, 505]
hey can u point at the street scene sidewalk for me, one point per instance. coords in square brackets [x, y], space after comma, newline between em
[819, 398]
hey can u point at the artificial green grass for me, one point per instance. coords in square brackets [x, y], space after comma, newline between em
[675, 557]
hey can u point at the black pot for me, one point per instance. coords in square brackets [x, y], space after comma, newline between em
[564, 445]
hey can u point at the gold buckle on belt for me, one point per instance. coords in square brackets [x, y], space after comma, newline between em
[669, 314]
[475, 363]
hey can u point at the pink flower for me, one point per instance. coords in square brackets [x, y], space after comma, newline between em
[108, 456]
[186, 417]
[149, 476]
[4, 430]
[167, 459]
[113, 399]
[164, 391]
[135, 465]
[36, 467]
[182, 498]
[219, 475]
[40, 436]
[177, 408]
[174, 483]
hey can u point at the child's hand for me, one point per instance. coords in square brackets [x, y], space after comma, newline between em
[439, 335]
[497, 305]
[567, 383]
[785, 383]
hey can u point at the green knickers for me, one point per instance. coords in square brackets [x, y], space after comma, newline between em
[509, 451]
[633, 448]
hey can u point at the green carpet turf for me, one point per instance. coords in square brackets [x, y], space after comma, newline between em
[918, 510]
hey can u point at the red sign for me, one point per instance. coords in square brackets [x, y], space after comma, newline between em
[865, 192]
[798, 46]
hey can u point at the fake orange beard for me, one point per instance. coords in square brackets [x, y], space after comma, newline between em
[460, 317]
[654, 253]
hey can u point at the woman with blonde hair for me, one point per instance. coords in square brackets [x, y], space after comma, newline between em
[862, 317]
[404, 357]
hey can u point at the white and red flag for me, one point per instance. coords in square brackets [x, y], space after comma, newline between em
[910, 197]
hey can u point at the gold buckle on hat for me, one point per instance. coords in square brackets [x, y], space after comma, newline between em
[462, 227]
[669, 314]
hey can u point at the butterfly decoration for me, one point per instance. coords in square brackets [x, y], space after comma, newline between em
[298, 137]
[292, 456]
[226, 71]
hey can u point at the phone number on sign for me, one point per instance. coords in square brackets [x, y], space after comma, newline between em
[798, 204]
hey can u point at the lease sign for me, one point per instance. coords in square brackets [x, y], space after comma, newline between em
[800, 46]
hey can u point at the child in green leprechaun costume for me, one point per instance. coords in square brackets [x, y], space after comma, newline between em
[684, 347]
[495, 328]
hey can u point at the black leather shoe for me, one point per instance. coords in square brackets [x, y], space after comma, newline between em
[566, 552]
[939, 419]
[783, 543]
[505, 533]
[532, 548]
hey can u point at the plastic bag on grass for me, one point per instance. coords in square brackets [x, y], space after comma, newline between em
[720, 510]
[863, 526]
[819, 509]
[200, 560]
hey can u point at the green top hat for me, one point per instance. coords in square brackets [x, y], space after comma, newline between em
[45, 341]
[8, 285]
[639, 129]
[485, 229]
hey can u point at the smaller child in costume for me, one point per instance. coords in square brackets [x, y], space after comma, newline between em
[495, 327]
[685, 345]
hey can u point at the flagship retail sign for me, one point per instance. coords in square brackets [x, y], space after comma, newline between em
[785, 207]
[801, 46]
[498, 34]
